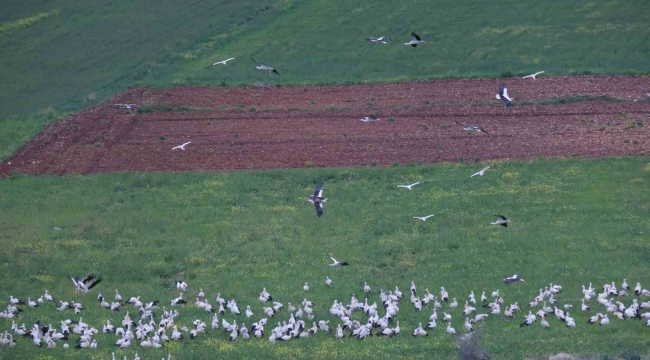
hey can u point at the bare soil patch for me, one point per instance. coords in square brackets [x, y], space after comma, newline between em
[300, 126]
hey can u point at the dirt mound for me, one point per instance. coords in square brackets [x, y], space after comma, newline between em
[299, 126]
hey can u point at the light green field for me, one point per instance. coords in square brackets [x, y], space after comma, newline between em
[61, 56]
[574, 222]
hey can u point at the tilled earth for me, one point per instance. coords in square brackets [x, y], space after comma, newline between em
[301, 126]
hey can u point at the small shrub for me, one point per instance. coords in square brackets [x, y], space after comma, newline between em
[630, 124]
[635, 142]
[309, 164]
[453, 247]
[374, 163]
[235, 135]
[477, 159]
[628, 355]
[144, 110]
[391, 119]
[50, 113]
[345, 135]
[396, 164]
[626, 141]
[377, 113]
[445, 126]
[427, 102]
[161, 137]
[252, 109]
[639, 123]
[313, 102]
[602, 128]
[507, 74]
[461, 160]
[469, 347]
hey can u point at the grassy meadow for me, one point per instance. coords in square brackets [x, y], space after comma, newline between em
[574, 222]
[62, 56]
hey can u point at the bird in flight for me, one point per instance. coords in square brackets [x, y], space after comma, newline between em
[480, 173]
[534, 76]
[126, 106]
[513, 278]
[501, 220]
[318, 200]
[336, 263]
[503, 95]
[182, 147]
[379, 40]
[473, 128]
[408, 186]
[223, 62]
[263, 66]
[369, 119]
[415, 40]
[424, 218]
[86, 283]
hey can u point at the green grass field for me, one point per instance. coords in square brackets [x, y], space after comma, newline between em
[574, 222]
[62, 56]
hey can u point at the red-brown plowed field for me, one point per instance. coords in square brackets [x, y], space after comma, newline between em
[298, 126]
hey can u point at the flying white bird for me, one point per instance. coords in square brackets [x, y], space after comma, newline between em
[480, 173]
[126, 106]
[265, 67]
[415, 40]
[86, 283]
[534, 76]
[335, 262]
[501, 220]
[503, 95]
[318, 200]
[423, 218]
[513, 278]
[223, 62]
[473, 128]
[379, 40]
[408, 186]
[182, 147]
[369, 119]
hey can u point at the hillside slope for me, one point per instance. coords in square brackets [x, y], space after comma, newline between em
[61, 56]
